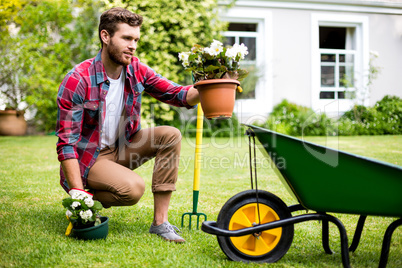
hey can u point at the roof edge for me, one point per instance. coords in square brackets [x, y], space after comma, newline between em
[361, 6]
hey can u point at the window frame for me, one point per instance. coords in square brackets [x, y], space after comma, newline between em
[257, 108]
[238, 34]
[337, 83]
[361, 59]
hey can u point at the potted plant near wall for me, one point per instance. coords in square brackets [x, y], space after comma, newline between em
[217, 74]
[12, 120]
[85, 220]
[13, 90]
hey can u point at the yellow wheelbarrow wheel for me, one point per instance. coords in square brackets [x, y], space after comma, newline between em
[243, 211]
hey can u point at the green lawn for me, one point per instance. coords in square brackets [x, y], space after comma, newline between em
[32, 221]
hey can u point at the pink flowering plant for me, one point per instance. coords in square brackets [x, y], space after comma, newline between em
[82, 210]
[215, 61]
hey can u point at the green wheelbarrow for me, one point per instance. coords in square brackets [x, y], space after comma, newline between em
[257, 226]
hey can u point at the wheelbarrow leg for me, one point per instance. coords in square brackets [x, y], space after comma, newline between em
[343, 236]
[387, 241]
[325, 237]
[197, 169]
[356, 237]
[358, 233]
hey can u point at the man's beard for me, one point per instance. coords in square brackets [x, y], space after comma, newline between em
[116, 56]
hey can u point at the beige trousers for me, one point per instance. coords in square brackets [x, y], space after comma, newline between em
[112, 178]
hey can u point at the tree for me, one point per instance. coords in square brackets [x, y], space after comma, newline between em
[170, 27]
[42, 41]
[8, 9]
[66, 37]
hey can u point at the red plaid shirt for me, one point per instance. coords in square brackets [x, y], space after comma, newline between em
[82, 108]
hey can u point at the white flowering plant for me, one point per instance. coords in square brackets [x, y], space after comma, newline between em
[82, 210]
[215, 61]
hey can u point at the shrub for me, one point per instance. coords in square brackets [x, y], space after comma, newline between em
[296, 120]
[385, 117]
[186, 122]
[54, 35]
[168, 31]
[391, 109]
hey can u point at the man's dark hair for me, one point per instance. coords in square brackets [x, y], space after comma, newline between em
[110, 19]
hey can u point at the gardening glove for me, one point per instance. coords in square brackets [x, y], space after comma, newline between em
[76, 193]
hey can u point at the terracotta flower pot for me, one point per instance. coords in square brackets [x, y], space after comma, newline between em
[12, 123]
[217, 97]
[95, 232]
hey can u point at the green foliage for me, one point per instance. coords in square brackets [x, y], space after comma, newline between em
[223, 127]
[58, 50]
[44, 40]
[155, 112]
[31, 51]
[8, 10]
[215, 62]
[186, 122]
[385, 117]
[76, 206]
[172, 26]
[291, 119]
[169, 27]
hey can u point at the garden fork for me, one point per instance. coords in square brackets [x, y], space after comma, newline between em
[197, 168]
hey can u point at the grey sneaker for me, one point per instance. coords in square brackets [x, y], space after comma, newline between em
[167, 232]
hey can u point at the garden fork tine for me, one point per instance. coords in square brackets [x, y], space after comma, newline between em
[197, 169]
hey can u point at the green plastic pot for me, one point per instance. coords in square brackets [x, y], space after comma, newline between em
[95, 232]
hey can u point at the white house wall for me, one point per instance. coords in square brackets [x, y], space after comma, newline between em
[291, 56]
[288, 41]
[386, 40]
[263, 103]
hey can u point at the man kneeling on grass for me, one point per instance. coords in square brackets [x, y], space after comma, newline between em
[100, 136]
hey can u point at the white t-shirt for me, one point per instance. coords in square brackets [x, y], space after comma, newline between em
[114, 109]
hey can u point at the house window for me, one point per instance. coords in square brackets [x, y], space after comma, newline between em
[246, 33]
[337, 47]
